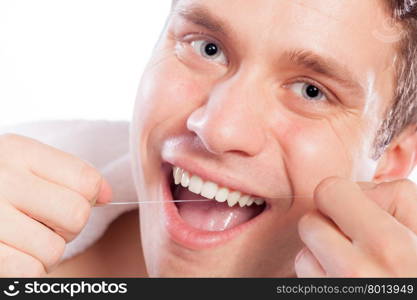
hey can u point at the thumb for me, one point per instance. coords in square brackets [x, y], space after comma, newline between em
[398, 198]
[105, 193]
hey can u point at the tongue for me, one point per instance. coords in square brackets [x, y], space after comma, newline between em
[212, 215]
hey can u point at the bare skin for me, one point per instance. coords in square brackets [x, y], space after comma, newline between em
[244, 118]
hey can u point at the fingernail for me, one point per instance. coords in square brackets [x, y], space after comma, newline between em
[300, 254]
[98, 186]
[105, 194]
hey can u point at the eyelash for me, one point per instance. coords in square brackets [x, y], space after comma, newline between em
[205, 43]
[329, 95]
[200, 36]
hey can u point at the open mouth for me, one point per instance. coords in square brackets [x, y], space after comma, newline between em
[218, 208]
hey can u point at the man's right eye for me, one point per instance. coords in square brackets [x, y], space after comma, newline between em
[210, 50]
[308, 91]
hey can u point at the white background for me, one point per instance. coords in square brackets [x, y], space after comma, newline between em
[71, 59]
[75, 59]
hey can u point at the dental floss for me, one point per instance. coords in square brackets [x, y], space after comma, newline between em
[141, 202]
[196, 200]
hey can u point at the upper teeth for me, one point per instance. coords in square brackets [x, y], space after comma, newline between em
[211, 190]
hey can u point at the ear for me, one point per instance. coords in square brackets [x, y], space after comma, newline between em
[400, 158]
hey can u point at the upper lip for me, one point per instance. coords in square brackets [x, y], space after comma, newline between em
[222, 179]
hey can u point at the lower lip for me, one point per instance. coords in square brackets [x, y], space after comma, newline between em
[193, 238]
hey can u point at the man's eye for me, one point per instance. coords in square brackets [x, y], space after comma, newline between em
[308, 91]
[209, 50]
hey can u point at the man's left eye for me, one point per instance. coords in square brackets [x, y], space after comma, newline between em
[209, 50]
[308, 91]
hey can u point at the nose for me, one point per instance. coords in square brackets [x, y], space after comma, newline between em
[231, 118]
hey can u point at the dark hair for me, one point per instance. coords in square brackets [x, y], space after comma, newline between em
[403, 111]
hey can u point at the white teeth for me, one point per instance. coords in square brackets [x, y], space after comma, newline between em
[196, 184]
[243, 200]
[177, 172]
[222, 194]
[185, 179]
[250, 201]
[233, 198]
[259, 201]
[211, 190]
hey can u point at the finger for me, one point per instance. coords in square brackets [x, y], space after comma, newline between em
[57, 166]
[355, 214]
[398, 198]
[63, 210]
[34, 239]
[333, 250]
[306, 265]
[14, 263]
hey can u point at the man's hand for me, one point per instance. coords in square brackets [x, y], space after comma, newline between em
[360, 230]
[45, 200]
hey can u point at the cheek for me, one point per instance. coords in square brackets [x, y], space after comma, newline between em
[315, 150]
[167, 92]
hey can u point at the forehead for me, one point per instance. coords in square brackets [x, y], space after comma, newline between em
[358, 17]
[348, 31]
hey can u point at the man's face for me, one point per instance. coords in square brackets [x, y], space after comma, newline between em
[263, 98]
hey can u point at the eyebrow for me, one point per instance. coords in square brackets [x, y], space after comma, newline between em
[201, 16]
[326, 66]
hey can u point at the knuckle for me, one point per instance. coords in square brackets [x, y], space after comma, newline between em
[34, 269]
[4, 173]
[18, 264]
[405, 187]
[395, 249]
[10, 178]
[56, 248]
[7, 172]
[10, 142]
[6, 259]
[379, 246]
[407, 182]
[385, 247]
[90, 180]
[80, 213]
[357, 268]
[14, 148]
[10, 138]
